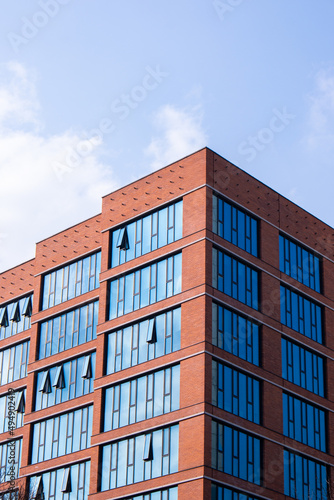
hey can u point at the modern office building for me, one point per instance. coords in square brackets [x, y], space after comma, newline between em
[177, 346]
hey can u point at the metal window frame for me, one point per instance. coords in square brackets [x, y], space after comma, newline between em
[45, 385]
[16, 315]
[87, 371]
[123, 239]
[20, 404]
[148, 448]
[27, 307]
[4, 318]
[59, 379]
[66, 485]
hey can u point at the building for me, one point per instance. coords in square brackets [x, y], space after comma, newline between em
[179, 345]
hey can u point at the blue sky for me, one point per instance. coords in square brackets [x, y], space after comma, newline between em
[96, 94]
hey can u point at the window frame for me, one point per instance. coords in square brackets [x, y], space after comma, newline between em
[239, 395]
[236, 323]
[69, 281]
[136, 227]
[294, 307]
[127, 345]
[248, 291]
[144, 286]
[236, 214]
[291, 352]
[285, 263]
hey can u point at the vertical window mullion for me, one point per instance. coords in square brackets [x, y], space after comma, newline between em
[301, 371]
[130, 462]
[133, 401]
[55, 438]
[234, 225]
[137, 239]
[167, 390]
[153, 284]
[236, 334]
[235, 392]
[148, 233]
[303, 269]
[134, 345]
[117, 407]
[166, 451]
[303, 364]
[154, 237]
[301, 315]
[66, 283]
[41, 442]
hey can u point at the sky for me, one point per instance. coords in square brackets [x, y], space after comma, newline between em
[95, 94]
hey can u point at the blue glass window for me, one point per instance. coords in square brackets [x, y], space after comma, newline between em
[168, 494]
[68, 330]
[50, 483]
[145, 286]
[10, 418]
[223, 493]
[129, 346]
[302, 367]
[67, 382]
[304, 478]
[10, 459]
[235, 334]
[301, 314]
[123, 462]
[235, 392]
[147, 234]
[10, 495]
[235, 226]
[142, 398]
[70, 281]
[304, 422]
[23, 310]
[13, 363]
[234, 278]
[299, 263]
[235, 452]
[70, 432]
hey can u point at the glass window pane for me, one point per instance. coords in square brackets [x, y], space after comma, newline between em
[162, 227]
[232, 224]
[70, 281]
[129, 346]
[299, 263]
[148, 233]
[235, 334]
[236, 453]
[62, 435]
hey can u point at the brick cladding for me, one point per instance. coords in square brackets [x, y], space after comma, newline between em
[194, 179]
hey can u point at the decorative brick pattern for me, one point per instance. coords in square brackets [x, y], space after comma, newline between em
[193, 179]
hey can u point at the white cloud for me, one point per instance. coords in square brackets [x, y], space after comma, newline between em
[36, 200]
[181, 133]
[321, 112]
[18, 101]
[296, 196]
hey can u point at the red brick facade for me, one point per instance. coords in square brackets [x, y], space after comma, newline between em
[192, 179]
